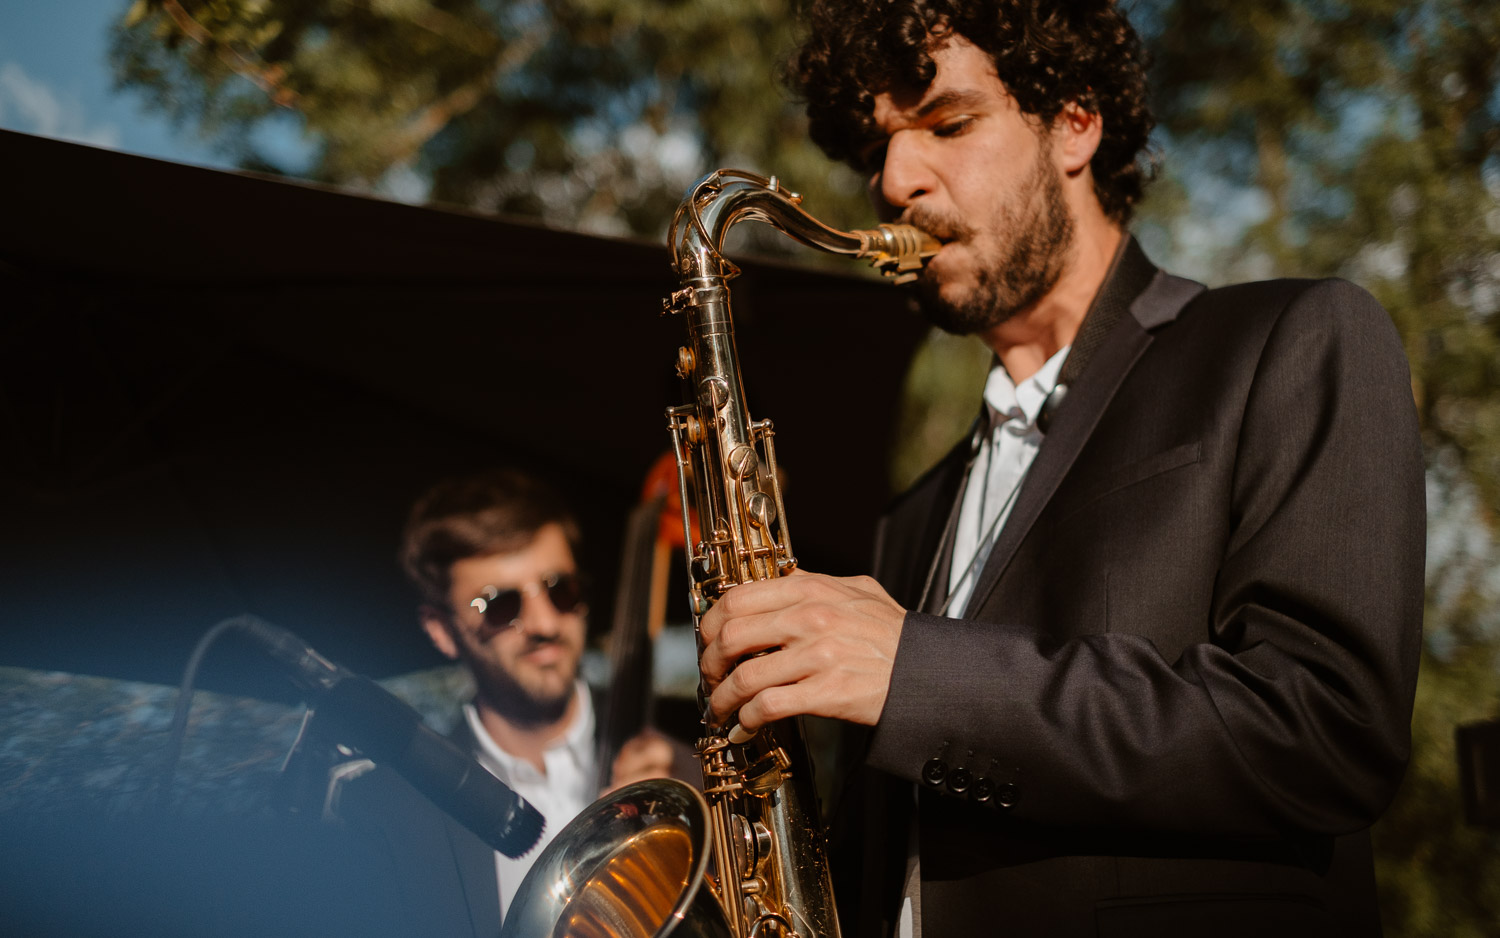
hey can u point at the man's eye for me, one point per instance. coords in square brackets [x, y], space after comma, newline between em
[872, 158]
[952, 128]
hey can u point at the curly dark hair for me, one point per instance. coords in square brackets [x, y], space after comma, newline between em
[1047, 53]
[489, 513]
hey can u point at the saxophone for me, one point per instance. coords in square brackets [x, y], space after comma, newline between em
[637, 862]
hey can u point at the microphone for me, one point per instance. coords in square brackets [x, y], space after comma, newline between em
[1050, 404]
[391, 733]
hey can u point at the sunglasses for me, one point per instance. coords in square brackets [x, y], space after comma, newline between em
[501, 609]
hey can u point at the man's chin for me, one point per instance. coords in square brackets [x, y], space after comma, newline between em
[953, 307]
[534, 697]
[540, 706]
[552, 694]
[550, 687]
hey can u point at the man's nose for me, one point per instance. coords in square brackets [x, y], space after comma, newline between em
[905, 175]
[538, 615]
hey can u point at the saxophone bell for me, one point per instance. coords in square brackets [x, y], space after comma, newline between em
[634, 864]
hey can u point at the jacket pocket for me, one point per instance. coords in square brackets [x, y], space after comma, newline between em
[1134, 473]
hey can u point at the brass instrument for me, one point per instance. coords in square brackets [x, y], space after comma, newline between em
[636, 862]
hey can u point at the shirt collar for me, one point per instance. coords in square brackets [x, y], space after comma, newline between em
[577, 740]
[1010, 402]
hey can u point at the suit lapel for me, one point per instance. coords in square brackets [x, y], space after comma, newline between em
[911, 535]
[1159, 303]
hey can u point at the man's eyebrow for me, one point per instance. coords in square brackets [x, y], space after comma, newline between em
[949, 99]
[953, 98]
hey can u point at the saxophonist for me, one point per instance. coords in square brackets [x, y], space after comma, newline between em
[1139, 654]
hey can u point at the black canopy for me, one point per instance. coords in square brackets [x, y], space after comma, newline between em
[220, 393]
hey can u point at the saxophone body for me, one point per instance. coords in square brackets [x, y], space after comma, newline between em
[769, 848]
[747, 858]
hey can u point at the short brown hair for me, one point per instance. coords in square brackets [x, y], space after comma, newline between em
[488, 513]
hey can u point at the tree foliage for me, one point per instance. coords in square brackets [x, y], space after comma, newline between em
[591, 114]
[1363, 138]
[1371, 131]
[1298, 138]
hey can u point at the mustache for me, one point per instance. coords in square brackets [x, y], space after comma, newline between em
[943, 227]
[533, 642]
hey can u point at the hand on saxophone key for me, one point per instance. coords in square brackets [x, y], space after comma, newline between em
[831, 644]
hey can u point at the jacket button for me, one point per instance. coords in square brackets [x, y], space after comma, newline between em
[1007, 795]
[959, 780]
[934, 771]
[983, 790]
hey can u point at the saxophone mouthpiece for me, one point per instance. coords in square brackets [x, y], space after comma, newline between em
[898, 251]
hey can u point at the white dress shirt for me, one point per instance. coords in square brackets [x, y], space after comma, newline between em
[1001, 463]
[1004, 456]
[569, 785]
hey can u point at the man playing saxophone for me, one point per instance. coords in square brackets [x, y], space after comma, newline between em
[1139, 654]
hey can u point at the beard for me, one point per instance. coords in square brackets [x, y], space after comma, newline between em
[525, 699]
[1016, 275]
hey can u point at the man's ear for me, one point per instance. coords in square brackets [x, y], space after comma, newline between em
[1076, 134]
[435, 624]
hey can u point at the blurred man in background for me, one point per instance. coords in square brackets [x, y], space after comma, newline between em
[494, 558]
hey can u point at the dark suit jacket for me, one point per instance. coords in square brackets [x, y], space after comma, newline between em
[446, 873]
[1183, 685]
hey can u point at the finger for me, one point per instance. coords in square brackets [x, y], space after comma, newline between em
[808, 620]
[766, 596]
[841, 677]
[855, 698]
[755, 675]
[740, 637]
[760, 596]
[742, 600]
[775, 703]
[710, 623]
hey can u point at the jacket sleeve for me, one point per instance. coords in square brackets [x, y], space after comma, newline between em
[1293, 714]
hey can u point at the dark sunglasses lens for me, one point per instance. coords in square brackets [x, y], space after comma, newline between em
[565, 592]
[504, 609]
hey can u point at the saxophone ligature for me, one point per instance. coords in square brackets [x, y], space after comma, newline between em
[747, 858]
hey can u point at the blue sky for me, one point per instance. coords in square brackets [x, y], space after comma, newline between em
[55, 80]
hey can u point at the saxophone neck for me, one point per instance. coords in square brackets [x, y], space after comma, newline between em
[722, 198]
